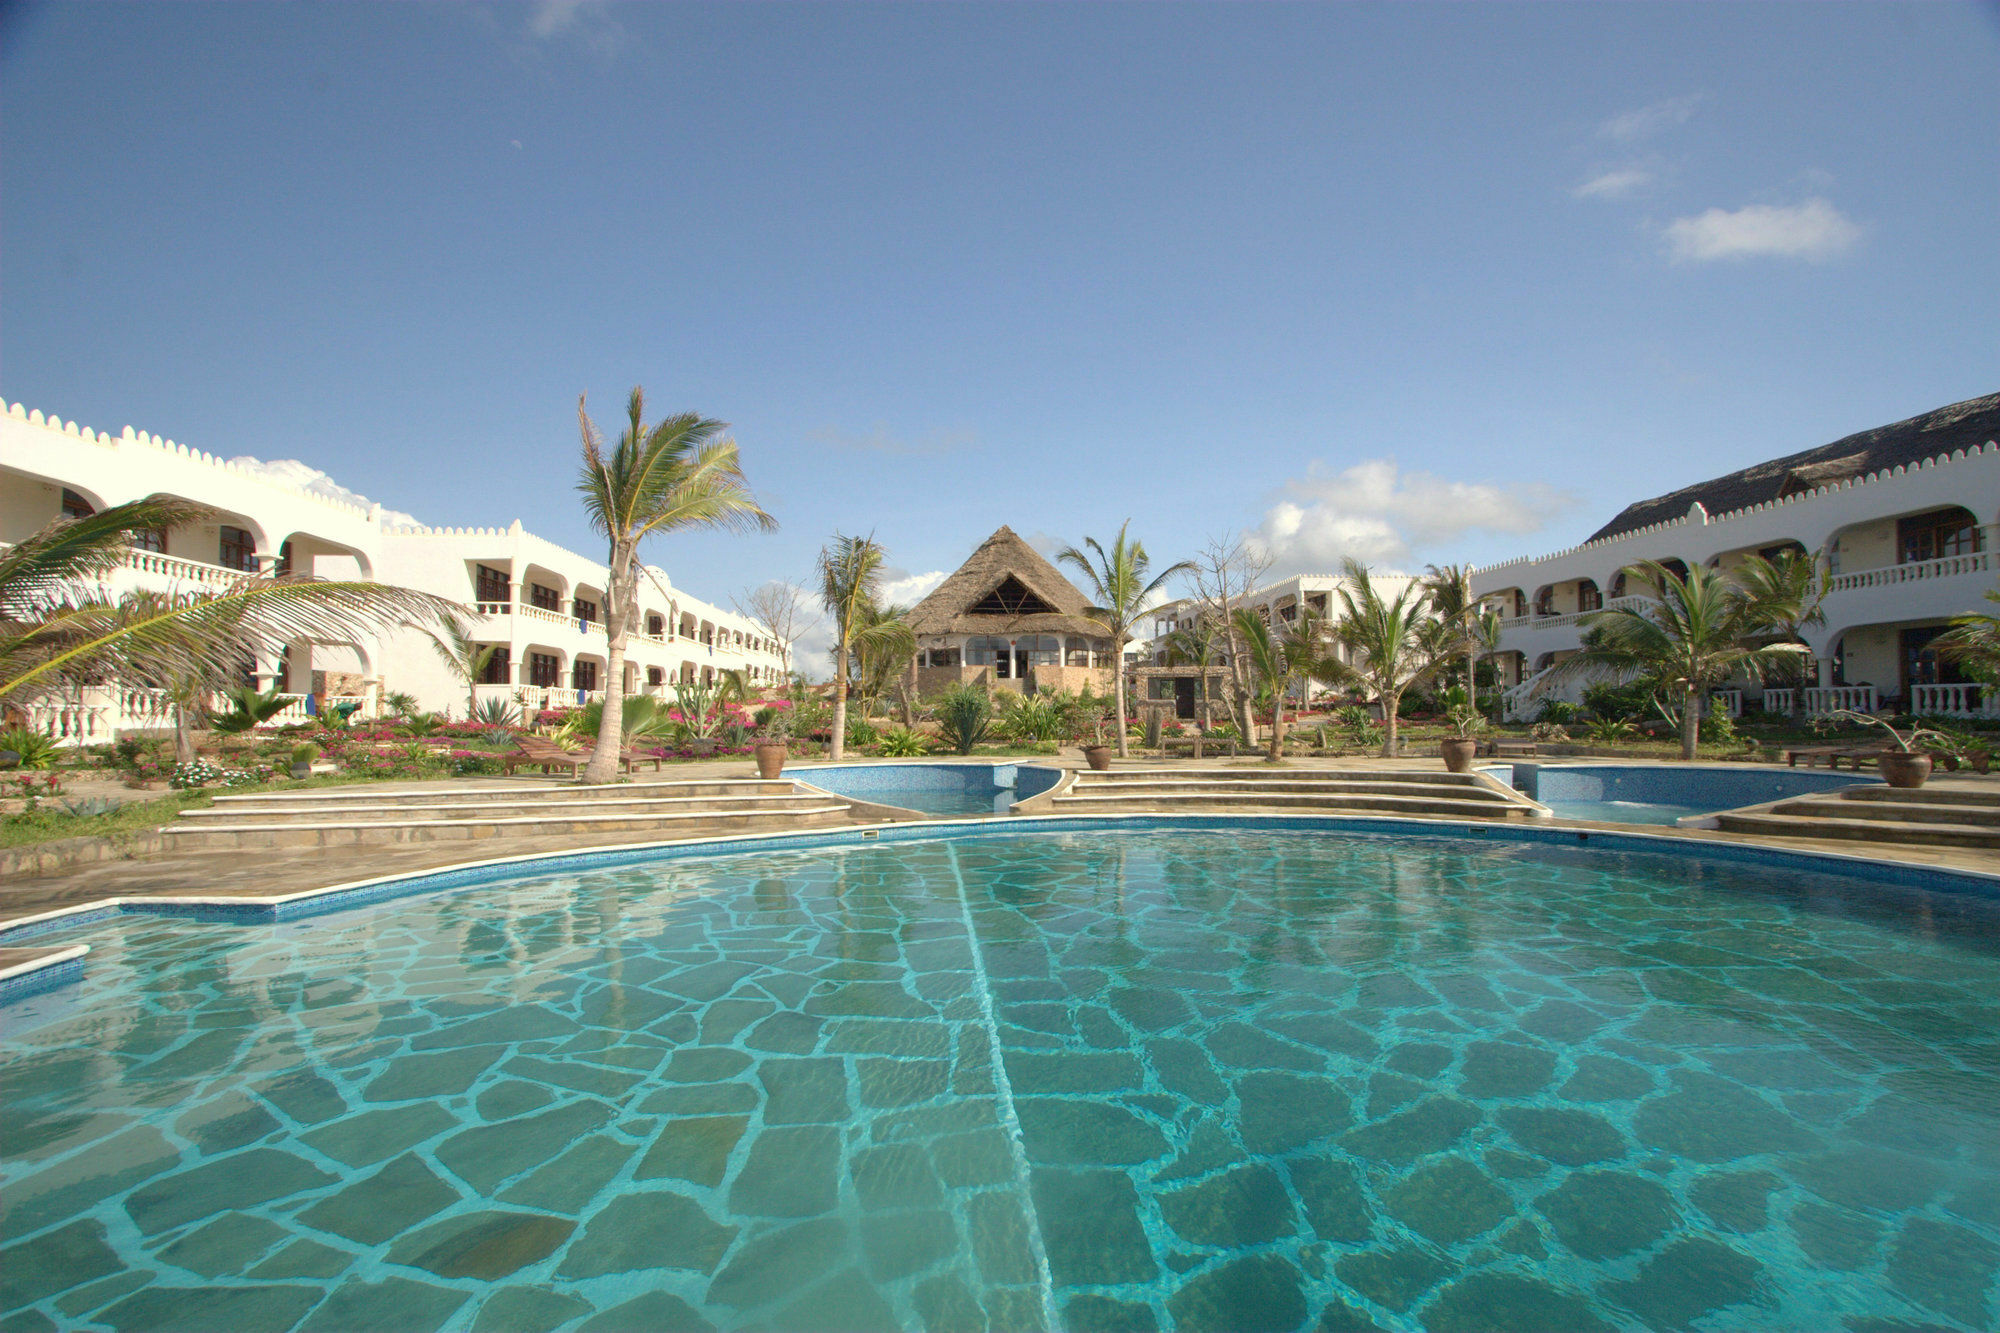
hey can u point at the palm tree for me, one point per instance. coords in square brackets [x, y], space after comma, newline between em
[1688, 642]
[1280, 662]
[680, 473]
[1449, 588]
[58, 622]
[1120, 589]
[1786, 597]
[1386, 644]
[1973, 641]
[466, 658]
[850, 574]
[882, 653]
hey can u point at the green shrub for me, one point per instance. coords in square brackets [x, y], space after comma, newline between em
[964, 714]
[1557, 712]
[35, 749]
[860, 732]
[902, 743]
[1618, 703]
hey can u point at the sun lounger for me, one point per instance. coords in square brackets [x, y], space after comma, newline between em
[536, 752]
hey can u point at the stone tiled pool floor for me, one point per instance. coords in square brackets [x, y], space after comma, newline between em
[1187, 1080]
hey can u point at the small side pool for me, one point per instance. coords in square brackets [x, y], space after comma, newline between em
[1659, 793]
[946, 789]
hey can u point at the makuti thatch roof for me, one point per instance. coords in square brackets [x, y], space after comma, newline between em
[1966, 425]
[1006, 587]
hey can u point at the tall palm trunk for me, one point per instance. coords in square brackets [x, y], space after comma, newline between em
[908, 685]
[603, 765]
[839, 745]
[1472, 679]
[1392, 703]
[1276, 750]
[1690, 721]
[1119, 645]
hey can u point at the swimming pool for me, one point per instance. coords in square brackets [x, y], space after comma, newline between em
[1662, 794]
[1208, 1079]
[954, 789]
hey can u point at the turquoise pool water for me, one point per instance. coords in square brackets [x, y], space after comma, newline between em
[1196, 1080]
[946, 789]
[1664, 793]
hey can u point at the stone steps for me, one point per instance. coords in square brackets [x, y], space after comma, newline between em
[1863, 830]
[221, 816]
[1430, 794]
[644, 811]
[1937, 816]
[1882, 810]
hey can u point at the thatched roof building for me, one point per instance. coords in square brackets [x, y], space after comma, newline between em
[1007, 587]
[1006, 616]
[1966, 425]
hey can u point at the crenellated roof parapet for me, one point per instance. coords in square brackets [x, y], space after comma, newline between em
[129, 437]
[1698, 517]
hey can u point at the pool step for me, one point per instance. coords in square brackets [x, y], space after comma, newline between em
[1422, 793]
[1971, 813]
[651, 810]
[1863, 830]
[1938, 816]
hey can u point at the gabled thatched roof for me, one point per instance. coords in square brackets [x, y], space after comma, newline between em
[948, 610]
[1966, 425]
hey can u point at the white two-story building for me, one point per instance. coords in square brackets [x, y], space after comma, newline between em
[539, 605]
[1903, 518]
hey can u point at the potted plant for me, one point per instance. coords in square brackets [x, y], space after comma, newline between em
[302, 760]
[774, 746]
[1458, 750]
[1098, 753]
[1905, 766]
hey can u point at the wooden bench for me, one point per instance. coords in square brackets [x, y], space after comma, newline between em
[1511, 749]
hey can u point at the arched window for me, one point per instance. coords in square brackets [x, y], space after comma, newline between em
[75, 506]
[238, 550]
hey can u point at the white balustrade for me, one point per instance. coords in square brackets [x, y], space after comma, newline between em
[176, 570]
[1953, 701]
[1848, 698]
[1728, 702]
[1915, 571]
[68, 723]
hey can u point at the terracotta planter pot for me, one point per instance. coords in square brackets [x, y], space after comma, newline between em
[1458, 752]
[771, 756]
[1098, 756]
[1905, 770]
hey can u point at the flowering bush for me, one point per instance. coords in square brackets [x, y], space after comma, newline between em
[194, 773]
[245, 777]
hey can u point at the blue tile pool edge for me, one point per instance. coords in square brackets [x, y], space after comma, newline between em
[65, 965]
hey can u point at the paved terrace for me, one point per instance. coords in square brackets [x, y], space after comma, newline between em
[257, 872]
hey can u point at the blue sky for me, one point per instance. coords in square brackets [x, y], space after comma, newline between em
[1413, 283]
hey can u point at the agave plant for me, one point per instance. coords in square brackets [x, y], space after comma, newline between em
[497, 713]
[964, 714]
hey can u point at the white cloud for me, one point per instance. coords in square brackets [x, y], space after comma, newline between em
[1382, 516]
[1650, 120]
[586, 21]
[909, 589]
[305, 477]
[1614, 184]
[1813, 230]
